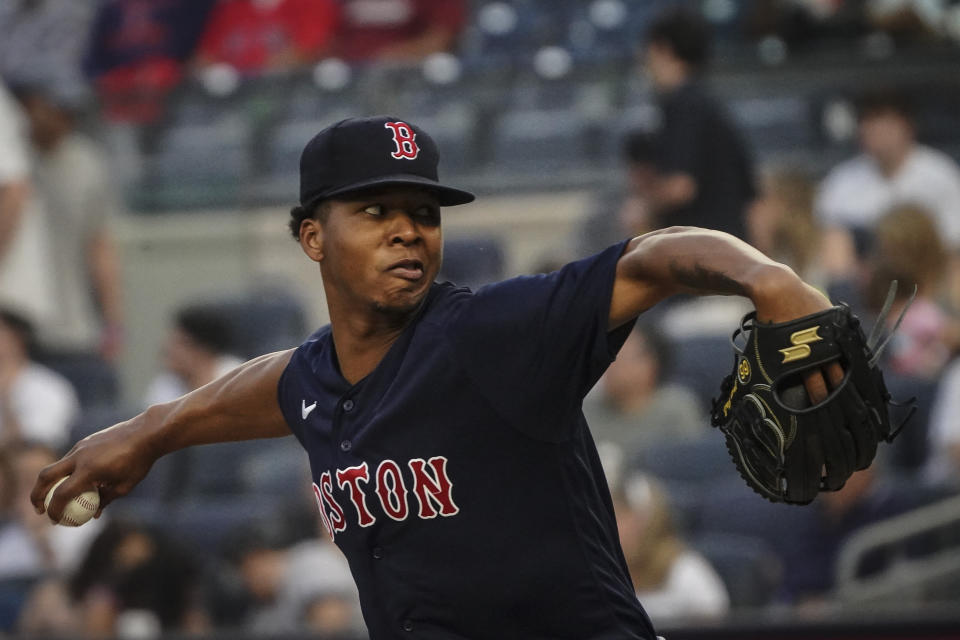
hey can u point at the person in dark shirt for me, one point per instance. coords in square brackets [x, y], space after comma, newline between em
[705, 170]
[451, 460]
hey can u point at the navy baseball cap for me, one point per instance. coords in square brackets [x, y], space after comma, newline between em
[359, 153]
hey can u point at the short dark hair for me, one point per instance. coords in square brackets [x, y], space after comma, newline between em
[685, 32]
[206, 326]
[882, 100]
[299, 213]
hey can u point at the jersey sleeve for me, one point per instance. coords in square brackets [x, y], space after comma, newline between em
[535, 345]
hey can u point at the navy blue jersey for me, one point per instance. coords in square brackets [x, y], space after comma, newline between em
[459, 477]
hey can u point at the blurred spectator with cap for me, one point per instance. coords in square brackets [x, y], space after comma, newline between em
[196, 351]
[892, 169]
[262, 36]
[705, 172]
[75, 182]
[36, 404]
[398, 30]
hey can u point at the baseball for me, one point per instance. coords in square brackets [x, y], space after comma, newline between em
[78, 510]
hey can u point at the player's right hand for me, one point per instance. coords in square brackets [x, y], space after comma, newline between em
[113, 461]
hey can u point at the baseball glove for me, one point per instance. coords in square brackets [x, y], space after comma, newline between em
[785, 449]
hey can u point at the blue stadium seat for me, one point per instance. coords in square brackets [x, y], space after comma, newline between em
[700, 364]
[749, 567]
[263, 321]
[540, 140]
[472, 261]
[775, 124]
[204, 524]
[702, 461]
[13, 595]
[93, 378]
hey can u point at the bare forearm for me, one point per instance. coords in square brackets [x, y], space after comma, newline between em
[106, 277]
[703, 262]
[241, 405]
[12, 197]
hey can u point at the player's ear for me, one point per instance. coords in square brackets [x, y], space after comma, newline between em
[311, 238]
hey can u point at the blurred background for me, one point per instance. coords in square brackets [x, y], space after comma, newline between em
[148, 161]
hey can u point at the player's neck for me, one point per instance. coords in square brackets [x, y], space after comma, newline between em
[362, 341]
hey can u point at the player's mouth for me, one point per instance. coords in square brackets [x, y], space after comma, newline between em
[409, 269]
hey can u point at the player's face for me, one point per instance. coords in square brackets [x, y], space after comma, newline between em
[382, 248]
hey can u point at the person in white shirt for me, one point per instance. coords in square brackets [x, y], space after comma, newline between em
[672, 580]
[36, 403]
[25, 275]
[196, 352]
[893, 169]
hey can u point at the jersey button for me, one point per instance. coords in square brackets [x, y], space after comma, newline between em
[377, 553]
[345, 446]
[348, 405]
[408, 625]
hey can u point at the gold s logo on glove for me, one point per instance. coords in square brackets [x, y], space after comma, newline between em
[800, 341]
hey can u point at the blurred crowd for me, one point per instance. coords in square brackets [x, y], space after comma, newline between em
[227, 537]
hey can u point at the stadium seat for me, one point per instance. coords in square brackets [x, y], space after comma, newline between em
[775, 124]
[702, 461]
[539, 140]
[204, 524]
[263, 321]
[13, 595]
[750, 569]
[93, 378]
[700, 364]
[908, 452]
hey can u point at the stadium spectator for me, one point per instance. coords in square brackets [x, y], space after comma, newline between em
[943, 452]
[25, 280]
[36, 404]
[303, 587]
[196, 351]
[705, 172]
[137, 52]
[780, 223]
[671, 579]
[398, 30]
[619, 214]
[632, 406]
[30, 545]
[72, 177]
[44, 39]
[908, 248]
[892, 169]
[260, 36]
[135, 582]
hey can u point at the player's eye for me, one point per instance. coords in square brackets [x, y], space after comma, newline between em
[374, 209]
[428, 214]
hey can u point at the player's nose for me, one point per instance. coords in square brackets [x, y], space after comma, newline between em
[403, 229]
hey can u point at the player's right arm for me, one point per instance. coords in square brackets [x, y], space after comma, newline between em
[241, 405]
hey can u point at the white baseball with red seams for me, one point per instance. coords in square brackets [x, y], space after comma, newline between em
[78, 510]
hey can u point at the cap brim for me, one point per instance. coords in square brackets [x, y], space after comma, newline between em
[446, 196]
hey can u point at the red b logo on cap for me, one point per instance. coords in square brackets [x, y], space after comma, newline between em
[404, 138]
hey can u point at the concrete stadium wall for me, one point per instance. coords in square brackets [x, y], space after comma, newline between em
[174, 258]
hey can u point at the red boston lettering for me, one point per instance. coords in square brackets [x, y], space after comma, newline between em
[433, 490]
[353, 476]
[405, 139]
[391, 490]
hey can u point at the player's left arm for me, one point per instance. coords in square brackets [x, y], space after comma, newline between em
[697, 261]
